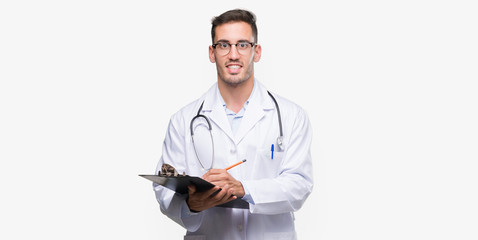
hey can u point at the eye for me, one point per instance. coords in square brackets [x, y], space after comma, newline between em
[223, 45]
[243, 45]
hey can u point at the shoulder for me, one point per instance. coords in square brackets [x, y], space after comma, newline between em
[292, 114]
[187, 112]
[287, 106]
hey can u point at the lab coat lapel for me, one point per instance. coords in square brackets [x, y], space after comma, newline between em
[216, 114]
[255, 111]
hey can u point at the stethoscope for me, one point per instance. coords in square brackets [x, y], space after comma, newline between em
[209, 126]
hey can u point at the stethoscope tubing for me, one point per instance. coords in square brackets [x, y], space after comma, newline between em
[199, 115]
[210, 133]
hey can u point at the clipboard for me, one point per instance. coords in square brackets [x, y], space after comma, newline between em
[180, 184]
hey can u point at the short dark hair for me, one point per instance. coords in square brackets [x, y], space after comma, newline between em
[236, 15]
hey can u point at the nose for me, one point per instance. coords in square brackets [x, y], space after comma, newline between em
[233, 53]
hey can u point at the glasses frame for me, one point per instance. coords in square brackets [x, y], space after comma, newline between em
[233, 44]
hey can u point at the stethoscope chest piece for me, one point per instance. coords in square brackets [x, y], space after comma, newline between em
[280, 143]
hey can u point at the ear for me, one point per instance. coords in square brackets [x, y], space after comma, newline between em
[257, 53]
[212, 57]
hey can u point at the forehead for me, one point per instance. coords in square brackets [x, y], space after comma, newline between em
[234, 31]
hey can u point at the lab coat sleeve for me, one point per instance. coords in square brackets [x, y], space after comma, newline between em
[289, 190]
[173, 204]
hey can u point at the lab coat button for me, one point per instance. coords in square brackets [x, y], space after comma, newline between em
[233, 150]
[240, 227]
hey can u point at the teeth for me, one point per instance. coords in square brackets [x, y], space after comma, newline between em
[233, 66]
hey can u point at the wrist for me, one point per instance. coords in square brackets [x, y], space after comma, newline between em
[240, 193]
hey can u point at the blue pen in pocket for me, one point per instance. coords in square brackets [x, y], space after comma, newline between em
[272, 151]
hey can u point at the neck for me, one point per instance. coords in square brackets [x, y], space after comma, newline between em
[236, 95]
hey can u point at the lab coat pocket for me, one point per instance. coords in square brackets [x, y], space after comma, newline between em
[268, 163]
[280, 236]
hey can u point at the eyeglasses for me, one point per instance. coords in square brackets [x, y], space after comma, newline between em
[223, 48]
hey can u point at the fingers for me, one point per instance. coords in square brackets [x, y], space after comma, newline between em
[223, 196]
[215, 174]
[191, 189]
[219, 177]
[199, 201]
[223, 191]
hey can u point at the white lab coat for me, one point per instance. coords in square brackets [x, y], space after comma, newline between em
[277, 186]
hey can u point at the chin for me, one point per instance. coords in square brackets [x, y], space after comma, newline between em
[234, 81]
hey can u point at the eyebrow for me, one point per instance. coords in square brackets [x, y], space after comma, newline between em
[227, 41]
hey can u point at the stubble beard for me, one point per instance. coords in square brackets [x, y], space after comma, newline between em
[235, 80]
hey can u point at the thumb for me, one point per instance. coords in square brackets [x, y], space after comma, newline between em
[191, 189]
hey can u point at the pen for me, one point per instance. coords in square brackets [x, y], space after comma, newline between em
[272, 151]
[233, 165]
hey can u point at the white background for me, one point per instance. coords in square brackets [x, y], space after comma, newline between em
[87, 89]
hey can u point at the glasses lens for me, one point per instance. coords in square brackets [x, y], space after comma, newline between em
[223, 48]
[243, 47]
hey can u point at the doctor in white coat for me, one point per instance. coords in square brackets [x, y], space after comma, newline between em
[245, 124]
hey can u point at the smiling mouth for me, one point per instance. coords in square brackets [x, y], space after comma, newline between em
[233, 68]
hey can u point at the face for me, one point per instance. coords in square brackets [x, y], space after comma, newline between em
[235, 68]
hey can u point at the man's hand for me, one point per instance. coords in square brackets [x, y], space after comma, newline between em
[226, 189]
[199, 201]
[222, 178]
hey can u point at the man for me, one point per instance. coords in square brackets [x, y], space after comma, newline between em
[245, 124]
